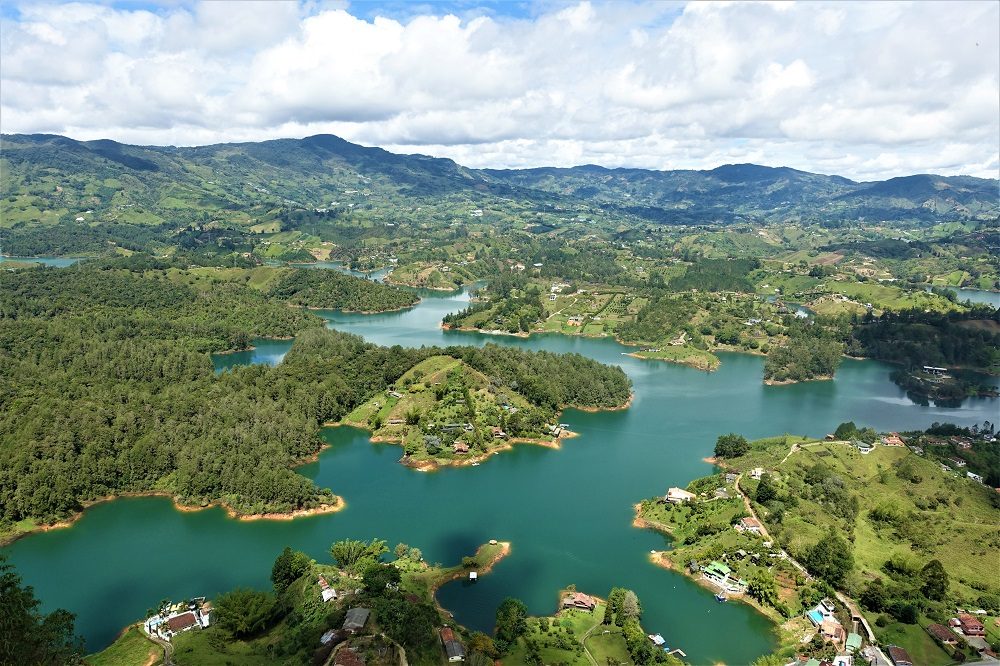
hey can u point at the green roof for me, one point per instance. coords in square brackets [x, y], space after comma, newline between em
[853, 641]
[718, 567]
[812, 662]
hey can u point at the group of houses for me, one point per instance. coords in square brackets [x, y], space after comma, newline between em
[848, 644]
[177, 618]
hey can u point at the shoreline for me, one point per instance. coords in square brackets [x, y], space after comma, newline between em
[594, 410]
[338, 505]
[661, 558]
[485, 568]
[691, 363]
[789, 382]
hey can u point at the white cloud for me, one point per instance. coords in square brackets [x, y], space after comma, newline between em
[866, 90]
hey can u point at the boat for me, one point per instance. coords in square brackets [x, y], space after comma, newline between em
[720, 597]
[475, 464]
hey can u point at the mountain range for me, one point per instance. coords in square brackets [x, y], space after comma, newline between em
[51, 179]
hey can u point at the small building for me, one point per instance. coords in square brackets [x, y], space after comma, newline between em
[971, 626]
[899, 656]
[579, 600]
[832, 630]
[864, 447]
[893, 439]
[498, 432]
[356, 619]
[326, 592]
[756, 473]
[657, 640]
[731, 477]
[942, 634]
[460, 448]
[933, 370]
[749, 524]
[678, 496]
[395, 394]
[975, 477]
[452, 648]
[956, 462]
[853, 643]
[185, 621]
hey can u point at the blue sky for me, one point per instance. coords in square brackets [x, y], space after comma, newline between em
[866, 90]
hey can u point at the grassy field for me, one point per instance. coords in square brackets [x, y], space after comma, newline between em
[132, 648]
[561, 639]
[683, 354]
[915, 639]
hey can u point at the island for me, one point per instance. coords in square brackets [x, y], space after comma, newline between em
[444, 412]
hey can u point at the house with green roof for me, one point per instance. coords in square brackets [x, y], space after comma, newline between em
[853, 642]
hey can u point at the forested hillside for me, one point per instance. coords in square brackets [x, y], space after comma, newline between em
[109, 388]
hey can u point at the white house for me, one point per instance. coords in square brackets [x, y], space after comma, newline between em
[678, 496]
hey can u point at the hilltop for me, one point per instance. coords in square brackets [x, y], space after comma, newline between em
[50, 179]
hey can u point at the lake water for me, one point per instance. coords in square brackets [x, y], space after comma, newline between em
[567, 512]
[56, 262]
[978, 296]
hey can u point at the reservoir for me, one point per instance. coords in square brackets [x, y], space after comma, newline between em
[567, 512]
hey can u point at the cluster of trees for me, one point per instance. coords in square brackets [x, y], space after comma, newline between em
[663, 315]
[624, 610]
[831, 559]
[332, 289]
[109, 388]
[717, 275]
[907, 590]
[913, 339]
[811, 352]
[28, 636]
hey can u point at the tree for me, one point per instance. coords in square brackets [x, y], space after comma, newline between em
[27, 636]
[731, 446]
[483, 644]
[244, 612]
[630, 608]
[348, 552]
[935, 586]
[765, 489]
[401, 550]
[511, 620]
[846, 431]
[763, 588]
[288, 567]
[379, 578]
[830, 559]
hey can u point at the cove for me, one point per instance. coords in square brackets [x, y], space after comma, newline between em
[567, 512]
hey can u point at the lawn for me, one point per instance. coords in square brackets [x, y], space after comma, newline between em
[608, 647]
[130, 649]
[915, 640]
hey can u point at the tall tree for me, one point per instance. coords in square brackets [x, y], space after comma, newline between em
[511, 620]
[935, 585]
[26, 635]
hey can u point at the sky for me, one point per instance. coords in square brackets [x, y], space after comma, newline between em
[866, 90]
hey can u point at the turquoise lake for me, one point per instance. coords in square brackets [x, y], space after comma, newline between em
[567, 512]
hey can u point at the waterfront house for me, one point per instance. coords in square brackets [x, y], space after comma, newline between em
[356, 619]
[864, 447]
[460, 448]
[750, 525]
[498, 433]
[452, 648]
[899, 656]
[579, 600]
[717, 572]
[678, 496]
[657, 640]
[942, 634]
[182, 622]
[971, 626]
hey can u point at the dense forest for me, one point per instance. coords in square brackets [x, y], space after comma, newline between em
[331, 289]
[913, 339]
[109, 389]
[811, 352]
